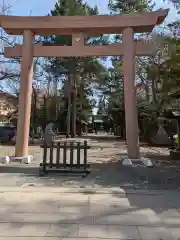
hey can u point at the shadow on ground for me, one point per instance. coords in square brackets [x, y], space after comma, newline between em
[164, 175]
[121, 214]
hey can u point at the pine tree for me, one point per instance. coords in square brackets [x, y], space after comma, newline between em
[74, 67]
[129, 6]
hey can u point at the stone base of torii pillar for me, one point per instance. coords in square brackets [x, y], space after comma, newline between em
[7, 159]
[141, 161]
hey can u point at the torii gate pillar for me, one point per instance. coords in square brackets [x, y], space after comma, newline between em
[24, 108]
[132, 129]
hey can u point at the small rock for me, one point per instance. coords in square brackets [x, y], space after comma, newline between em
[5, 159]
[127, 162]
[27, 159]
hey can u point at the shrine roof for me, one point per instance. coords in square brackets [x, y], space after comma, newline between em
[90, 25]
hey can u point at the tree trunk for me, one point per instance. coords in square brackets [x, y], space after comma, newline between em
[81, 96]
[147, 91]
[81, 91]
[45, 112]
[74, 113]
[154, 90]
[74, 108]
[69, 108]
[34, 111]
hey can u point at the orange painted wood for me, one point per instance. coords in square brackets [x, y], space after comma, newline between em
[48, 25]
[142, 49]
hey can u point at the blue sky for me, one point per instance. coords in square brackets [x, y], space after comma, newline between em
[42, 7]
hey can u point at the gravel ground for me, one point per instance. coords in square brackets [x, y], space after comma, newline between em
[106, 169]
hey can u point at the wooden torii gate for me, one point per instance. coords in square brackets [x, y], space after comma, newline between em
[79, 27]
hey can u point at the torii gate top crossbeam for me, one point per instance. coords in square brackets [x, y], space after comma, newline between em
[49, 25]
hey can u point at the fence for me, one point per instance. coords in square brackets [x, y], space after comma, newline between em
[65, 157]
